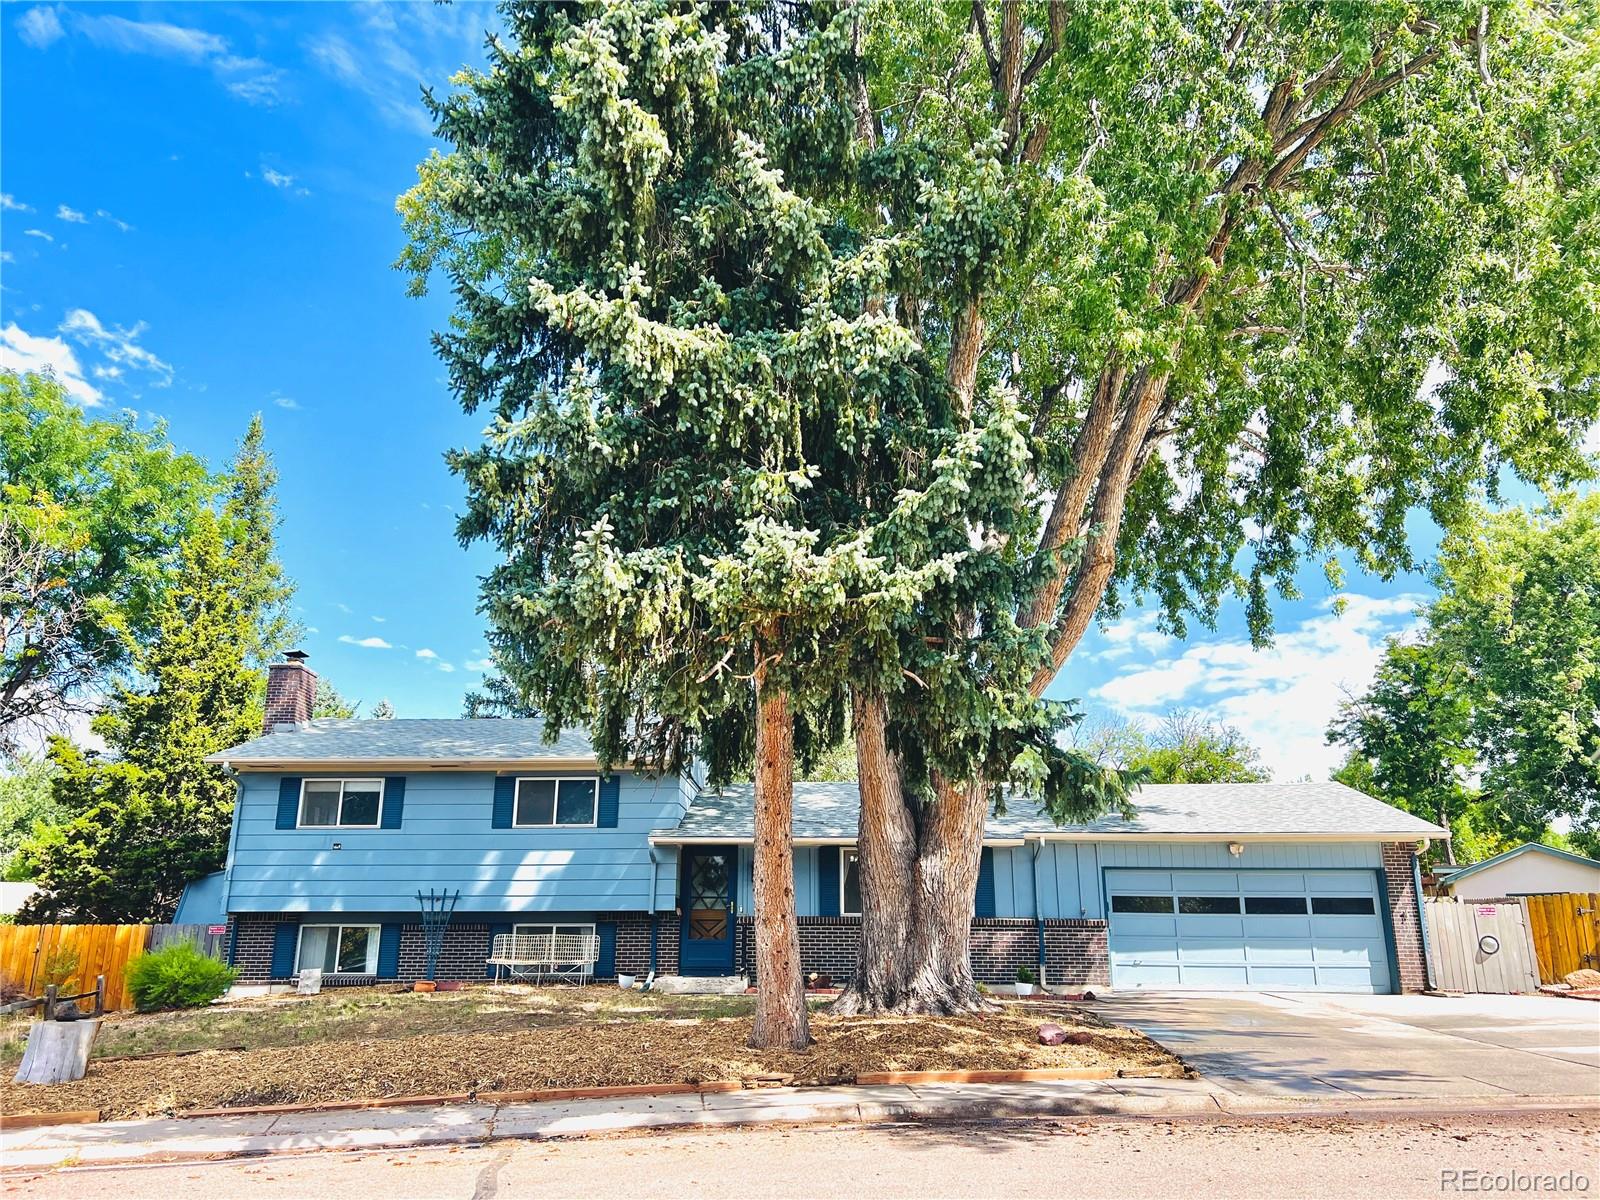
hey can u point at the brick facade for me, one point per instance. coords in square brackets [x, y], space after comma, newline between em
[1075, 951]
[465, 950]
[291, 692]
[1404, 917]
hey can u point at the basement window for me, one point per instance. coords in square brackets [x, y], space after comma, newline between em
[338, 949]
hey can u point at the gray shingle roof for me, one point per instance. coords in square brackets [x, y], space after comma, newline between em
[432, 741]
[828, 810]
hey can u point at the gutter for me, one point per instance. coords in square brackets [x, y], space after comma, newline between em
[681, 839]
[1038, 918]
[1422, 922]
[233, 840]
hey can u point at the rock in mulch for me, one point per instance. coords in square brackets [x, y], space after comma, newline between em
[591, 1055]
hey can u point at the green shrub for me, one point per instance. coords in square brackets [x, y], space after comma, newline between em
[1026, 975]
[177, 976]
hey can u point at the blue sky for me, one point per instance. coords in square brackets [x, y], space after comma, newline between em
[199, 225]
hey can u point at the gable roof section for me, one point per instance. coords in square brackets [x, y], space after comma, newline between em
[426, 744]
[827, 812]
[1454, 874]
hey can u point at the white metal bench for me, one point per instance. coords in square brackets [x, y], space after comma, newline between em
[540, 956]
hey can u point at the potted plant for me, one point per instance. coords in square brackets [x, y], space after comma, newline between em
[1027, 981]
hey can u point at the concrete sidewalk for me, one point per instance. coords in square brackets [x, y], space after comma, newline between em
[399, 1128]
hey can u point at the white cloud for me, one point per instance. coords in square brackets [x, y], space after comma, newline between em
[380, 620]
[10, 203]
[38, 233]
[120, 224]
[249, 79]
[277, 178]
[117, 343]
[283, 401]
[426, 653]
[40, 26]
[1283, 696]
[21, 351]
[342, 607]
[479, 664]
[312, 629]
[446, 667]
[369, 643]
[63, 213]
[7, 256]
[1137, 632]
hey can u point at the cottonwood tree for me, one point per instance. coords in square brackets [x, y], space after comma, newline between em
[1272, 277]
[724, 476]
[91, 516]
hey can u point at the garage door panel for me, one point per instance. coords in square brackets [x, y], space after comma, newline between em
[1299, 930]
[1298, 978]
[1205, 881]
[1143, 881]
[1280, 952]
[1277, 927]
[1255, 882]
[1210, 951]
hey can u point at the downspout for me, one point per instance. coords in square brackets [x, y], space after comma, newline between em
[1422, 915]
[1038, 917]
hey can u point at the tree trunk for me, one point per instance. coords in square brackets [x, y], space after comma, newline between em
[780, 989]
[919, 877]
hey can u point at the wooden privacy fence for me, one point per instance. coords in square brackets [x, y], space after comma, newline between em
[1566, 933]
[34, 956]
[1480, 946]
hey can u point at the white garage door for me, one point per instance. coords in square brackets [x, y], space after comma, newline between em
[1237, 930]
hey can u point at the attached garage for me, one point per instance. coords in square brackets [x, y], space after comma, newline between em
[1217, 930]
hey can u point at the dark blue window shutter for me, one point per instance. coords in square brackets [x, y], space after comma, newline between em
[605, 965]
[285, 939]
[494, 931]
[288, 802]
[610, 801]
[983, 902]
[389, 952]
[394, 801]
[828, 881]
[505, 798]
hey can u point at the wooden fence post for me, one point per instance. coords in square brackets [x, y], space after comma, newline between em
[50, 1002]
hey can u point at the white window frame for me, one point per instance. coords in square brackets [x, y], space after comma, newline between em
[516, 796]
[300, 815]
[376, 932]
[844, 853]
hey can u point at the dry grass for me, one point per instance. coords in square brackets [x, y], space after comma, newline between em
[357, 1046]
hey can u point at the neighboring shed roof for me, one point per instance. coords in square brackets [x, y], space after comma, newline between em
[1452, 875]
[429, 743]
[828, 812]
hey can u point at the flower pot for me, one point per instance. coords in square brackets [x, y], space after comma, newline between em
[423, 985]
[448, 985]
[1025, 989]
[625, 982]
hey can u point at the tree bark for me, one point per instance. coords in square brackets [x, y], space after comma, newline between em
[780, 1022]
[919, 876]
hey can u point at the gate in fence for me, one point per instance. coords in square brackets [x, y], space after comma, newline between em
[1481, 946]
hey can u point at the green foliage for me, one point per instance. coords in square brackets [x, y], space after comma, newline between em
[713, 447]
[327, 702]
[92, 513]
[1184, 748]
[251, 521]
[383, 711]
[1027, 975]
[178, 976]
[60, 967]
[1490, 722]
[26, 800]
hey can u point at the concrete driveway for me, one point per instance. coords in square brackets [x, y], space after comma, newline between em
[1318, 1045]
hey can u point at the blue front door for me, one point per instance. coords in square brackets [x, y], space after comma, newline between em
[706, 901]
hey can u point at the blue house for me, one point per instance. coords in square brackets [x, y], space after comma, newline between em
[340, 823]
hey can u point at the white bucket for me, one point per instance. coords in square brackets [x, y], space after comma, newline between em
[625, 981]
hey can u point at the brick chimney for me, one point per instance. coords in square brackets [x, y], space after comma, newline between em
[291, 688]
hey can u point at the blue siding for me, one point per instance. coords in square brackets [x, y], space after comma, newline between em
[201, 902]
[448, 840]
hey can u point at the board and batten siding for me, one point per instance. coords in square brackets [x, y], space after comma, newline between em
[447, 841]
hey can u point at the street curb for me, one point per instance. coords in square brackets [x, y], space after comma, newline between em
[1094, 1106]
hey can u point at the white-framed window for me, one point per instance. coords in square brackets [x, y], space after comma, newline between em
[354, 803]
[338, 949]
[849, 883]
[550, 802]
[544, 945]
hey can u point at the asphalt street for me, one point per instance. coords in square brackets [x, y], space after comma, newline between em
[1324, 1157]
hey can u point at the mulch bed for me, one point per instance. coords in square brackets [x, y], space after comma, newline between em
[592, 1055]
